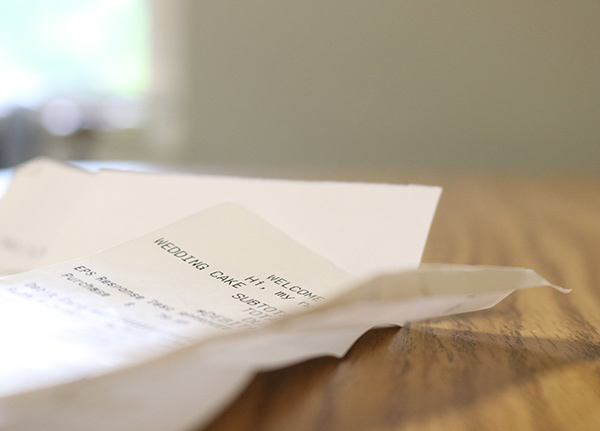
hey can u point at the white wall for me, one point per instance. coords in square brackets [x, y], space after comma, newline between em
[397, 83]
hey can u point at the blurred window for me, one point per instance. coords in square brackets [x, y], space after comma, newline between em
[72, 48]
[69, 66]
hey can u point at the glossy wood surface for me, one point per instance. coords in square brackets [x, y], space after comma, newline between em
[530, 363]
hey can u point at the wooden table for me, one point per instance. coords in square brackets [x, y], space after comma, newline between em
[532, 362]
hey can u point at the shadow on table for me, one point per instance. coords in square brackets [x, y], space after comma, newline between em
[394, 376]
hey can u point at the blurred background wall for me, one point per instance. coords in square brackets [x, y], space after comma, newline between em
[398, 84]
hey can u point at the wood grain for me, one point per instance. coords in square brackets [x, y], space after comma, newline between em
[530, 363]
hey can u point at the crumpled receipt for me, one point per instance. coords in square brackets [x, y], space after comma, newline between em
[160, 330]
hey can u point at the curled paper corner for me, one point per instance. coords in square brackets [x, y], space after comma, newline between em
[446, 279]
[561, 289]
[429, 291]
[547, 283]
[494, 277]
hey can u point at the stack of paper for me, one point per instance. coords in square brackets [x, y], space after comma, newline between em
[145, 301]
